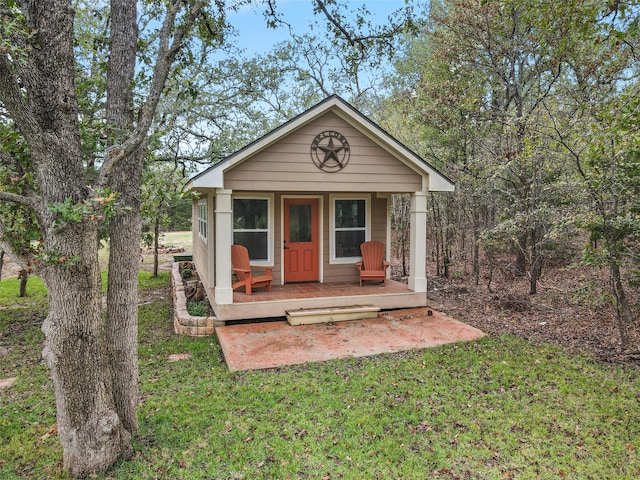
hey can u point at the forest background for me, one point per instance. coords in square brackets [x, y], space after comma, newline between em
[531, 108]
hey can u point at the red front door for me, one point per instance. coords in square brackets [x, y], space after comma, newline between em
[301, 240]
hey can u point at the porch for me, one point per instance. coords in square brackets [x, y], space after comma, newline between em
[282, 298]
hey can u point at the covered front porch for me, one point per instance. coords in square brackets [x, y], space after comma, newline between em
[282, 298]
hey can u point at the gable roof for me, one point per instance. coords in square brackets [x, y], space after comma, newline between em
[213, 177]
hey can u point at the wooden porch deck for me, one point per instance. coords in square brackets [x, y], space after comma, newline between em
[319, 290]
[283, 298]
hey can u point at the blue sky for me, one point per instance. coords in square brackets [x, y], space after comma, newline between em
[256, 38]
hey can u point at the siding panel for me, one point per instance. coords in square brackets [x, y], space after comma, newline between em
[287, 165]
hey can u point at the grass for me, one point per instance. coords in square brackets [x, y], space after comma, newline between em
[496, 408]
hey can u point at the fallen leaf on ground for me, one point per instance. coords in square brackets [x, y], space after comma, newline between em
[175, 357]
[7, 382]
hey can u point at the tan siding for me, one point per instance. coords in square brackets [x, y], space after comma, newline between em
[378, 219]
[287, 165]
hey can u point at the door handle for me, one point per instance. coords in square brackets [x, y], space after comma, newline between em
[285, 245]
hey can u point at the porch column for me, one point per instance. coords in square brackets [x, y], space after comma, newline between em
[223, 232]
[418, 239]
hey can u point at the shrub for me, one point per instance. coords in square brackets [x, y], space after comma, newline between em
[198, 309]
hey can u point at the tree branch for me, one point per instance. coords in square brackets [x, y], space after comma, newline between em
[21, 199]
[384, 34]
[11, 93]
[169, 46]
[350, 39]
[11, 161]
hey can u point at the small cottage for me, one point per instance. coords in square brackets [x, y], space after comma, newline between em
[302, 199]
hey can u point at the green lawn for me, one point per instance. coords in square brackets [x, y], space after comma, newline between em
[497, 408]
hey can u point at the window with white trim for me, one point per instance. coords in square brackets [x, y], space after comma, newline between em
[202, 219]
[252, 226]
[350, 226]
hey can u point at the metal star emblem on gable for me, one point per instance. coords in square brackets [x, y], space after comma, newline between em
[331, 151]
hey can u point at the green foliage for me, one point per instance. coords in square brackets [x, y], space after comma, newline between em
[54, 257]
[162, 188]
[8, 28]
[21, 229]
[198, 309]
[101, 206]
[179, 214]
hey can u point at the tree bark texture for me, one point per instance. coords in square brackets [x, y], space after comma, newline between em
[93, 362]
[39, 94]
[125, 227]
[91, 433]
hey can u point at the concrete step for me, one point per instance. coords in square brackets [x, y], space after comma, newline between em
[307, 316]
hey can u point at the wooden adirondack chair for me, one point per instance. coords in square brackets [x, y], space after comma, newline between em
[373, 265]
[240, 265]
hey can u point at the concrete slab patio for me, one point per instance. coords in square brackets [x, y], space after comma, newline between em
[275, 344]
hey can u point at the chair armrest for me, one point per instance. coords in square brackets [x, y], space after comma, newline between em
[359, 266]
[267, 271]
[245, 270]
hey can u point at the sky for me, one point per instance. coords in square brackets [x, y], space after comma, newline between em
[256, 38]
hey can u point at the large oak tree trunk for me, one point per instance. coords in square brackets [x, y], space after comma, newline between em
[91, 433]
[93, 362]
[122, 296]
[124, 228]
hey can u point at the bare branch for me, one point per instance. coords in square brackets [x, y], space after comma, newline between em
[352, 41]
[169, 46]
[21, 199]
[385, 34]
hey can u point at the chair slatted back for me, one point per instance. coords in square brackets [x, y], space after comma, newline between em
[240, 259]
[372, 255]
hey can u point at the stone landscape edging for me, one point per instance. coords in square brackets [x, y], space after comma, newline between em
[183, 322]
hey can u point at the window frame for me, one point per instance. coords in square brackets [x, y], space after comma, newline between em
[203, 219]
[269, 197]
[334, 259]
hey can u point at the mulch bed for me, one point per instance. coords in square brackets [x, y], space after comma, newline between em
[569, 310]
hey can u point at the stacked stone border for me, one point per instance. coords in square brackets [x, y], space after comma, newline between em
[183, 323]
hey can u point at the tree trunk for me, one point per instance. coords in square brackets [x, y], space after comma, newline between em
[91, 433]
[24, 278]
[476, 256]
[1, 262]
[536, 259]
[122, 311]
[156, 240]
[39, 93]
[125, 226]
[520, 267]
[623, 312]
